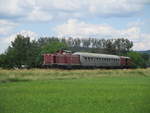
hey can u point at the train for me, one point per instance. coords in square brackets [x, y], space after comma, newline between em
[69, 60]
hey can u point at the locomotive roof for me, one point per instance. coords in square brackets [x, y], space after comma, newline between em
[96, 55]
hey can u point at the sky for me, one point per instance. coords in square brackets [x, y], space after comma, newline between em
[76, 18]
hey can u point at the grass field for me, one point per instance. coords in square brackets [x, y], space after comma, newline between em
[75, 91]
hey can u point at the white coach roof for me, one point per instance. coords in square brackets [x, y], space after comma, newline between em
[96, 55]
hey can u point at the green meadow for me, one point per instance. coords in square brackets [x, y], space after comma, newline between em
[75, 91]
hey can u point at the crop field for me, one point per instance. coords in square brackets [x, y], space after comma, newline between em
[75, 91]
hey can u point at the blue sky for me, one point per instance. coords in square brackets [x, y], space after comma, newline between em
[87, 18]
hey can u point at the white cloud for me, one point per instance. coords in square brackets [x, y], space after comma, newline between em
[143, 43]
[20, 11]
[42, 10]
[39, 15]
[75, 28]
[6, 41]
[6, 26]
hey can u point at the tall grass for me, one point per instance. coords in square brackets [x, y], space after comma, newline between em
[46, 74]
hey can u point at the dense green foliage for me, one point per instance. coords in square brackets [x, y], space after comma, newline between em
[75, 91]
[26, 53]
[53, 47]
[139, 59]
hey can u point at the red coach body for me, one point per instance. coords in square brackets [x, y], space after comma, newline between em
[125, 61]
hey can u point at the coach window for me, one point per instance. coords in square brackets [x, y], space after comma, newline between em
[88, 59]
[85, 58]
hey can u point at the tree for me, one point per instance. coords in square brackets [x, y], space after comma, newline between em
[53, 47]
[136, 58]
[110, 47]
[22, 52]
[34, 57]
[122, 46]
[146, 58]
[18, 51]
[4, 61]
[86, 43]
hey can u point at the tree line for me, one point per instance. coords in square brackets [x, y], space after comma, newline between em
[26, 52]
